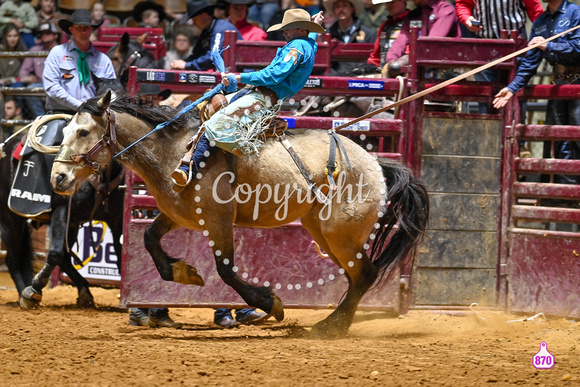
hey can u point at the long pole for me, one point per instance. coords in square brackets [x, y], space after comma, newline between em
[452, 80]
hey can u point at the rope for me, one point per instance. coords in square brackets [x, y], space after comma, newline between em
[220, 66]
[34, 144]
[453, 80]
[32, 128]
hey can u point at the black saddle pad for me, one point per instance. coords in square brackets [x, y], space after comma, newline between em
[31, 191]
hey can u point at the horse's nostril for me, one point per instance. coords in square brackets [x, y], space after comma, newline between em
[60, 178]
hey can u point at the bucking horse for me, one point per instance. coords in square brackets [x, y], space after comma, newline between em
[374, 219]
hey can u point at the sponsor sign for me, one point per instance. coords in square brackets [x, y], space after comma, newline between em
[291, 122]
[314, 83]
[174, 77]
[362, 126]
[99, 264]
[366, 85]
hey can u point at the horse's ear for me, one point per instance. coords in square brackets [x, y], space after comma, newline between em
[124, 40]
[105, 100]
[141, 39]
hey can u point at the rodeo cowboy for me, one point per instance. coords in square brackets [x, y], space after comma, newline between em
[260, 100]
[67, 71]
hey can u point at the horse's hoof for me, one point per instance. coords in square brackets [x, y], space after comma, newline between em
[30, 298]
[85, 299]
[277, 308]
[185, 274]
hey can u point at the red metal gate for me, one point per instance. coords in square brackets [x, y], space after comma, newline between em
[540, 262]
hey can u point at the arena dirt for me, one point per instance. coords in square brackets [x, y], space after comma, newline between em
[62, 345]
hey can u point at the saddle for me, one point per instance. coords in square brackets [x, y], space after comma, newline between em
[276, 127]
[31, 192]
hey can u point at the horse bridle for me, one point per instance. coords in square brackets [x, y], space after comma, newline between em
[109, 139]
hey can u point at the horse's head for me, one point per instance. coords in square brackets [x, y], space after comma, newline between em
[129, 53]
[86, 147]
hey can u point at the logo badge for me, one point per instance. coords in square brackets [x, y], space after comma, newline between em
[543, 359]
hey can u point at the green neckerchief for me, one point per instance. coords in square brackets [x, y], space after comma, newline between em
[83, 66]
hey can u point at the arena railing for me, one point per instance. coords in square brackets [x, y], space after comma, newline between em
[388, 132]
[19, 91]
[542, 216]
[538, 202]
[252, 55]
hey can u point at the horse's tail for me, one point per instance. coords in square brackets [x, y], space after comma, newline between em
[407, 206]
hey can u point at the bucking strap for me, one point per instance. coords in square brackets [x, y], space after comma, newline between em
[322, 198]
[331, 164]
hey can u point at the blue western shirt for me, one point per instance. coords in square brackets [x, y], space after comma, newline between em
[213, 36]
[60, 78]
[564, 50]
[290, 69]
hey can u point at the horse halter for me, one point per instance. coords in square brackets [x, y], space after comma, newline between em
[109, 139]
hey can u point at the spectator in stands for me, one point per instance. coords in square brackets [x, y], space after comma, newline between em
[182, 47]
[220, 10]
[237, 11]
[98, 12]
[564, 55]
[9, 67]
[30, 73]
[263, 11]
[347, 29]
[388, 32]
[374, 14]
[494, 16]
[437, 17]
[312, 6]
[67, 76]
[23, 16]
[48, 12]
[149, 14]
[212, 30]
[12, 111]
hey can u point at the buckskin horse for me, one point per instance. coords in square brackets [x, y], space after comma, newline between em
[342, 225]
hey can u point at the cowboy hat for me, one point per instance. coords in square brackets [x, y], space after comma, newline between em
[153, 89]
[46, 27]
[382, 1]
[297, 18]
[80, 17]
[144, 6]
[358, 6]
[195, 7]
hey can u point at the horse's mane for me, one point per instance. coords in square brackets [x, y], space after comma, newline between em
[145, 110]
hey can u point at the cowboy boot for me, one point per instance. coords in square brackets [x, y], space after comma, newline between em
[138, 317]
[189, 165]
[159, 318]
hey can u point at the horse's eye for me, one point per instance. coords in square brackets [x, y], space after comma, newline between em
[83, 133]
